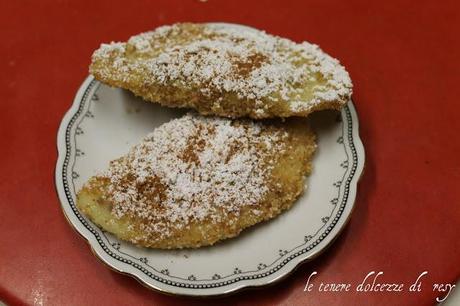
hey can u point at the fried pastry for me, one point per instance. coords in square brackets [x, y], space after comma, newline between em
[226, 70]
[196, 180]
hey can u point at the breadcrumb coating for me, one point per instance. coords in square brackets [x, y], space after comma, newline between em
[225, 70]
[196, 180]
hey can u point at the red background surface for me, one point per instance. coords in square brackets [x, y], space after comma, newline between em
[404, 60]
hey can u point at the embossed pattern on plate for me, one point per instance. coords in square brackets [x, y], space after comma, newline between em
[105, 122]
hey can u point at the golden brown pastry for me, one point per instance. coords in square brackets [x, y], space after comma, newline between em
[196, 180]
[224, 70]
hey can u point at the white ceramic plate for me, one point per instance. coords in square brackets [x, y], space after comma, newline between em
[103, 123]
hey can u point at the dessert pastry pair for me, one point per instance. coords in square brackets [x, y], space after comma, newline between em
[208, 175]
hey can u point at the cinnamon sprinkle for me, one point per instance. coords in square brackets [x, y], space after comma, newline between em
[192, 168]
[219, 58]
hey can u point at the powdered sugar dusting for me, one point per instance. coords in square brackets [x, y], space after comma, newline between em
[254, 65]
[193, 168]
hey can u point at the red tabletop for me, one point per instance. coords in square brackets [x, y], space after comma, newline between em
[403, 59]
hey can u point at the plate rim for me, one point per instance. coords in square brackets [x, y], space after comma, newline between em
[229, 289]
